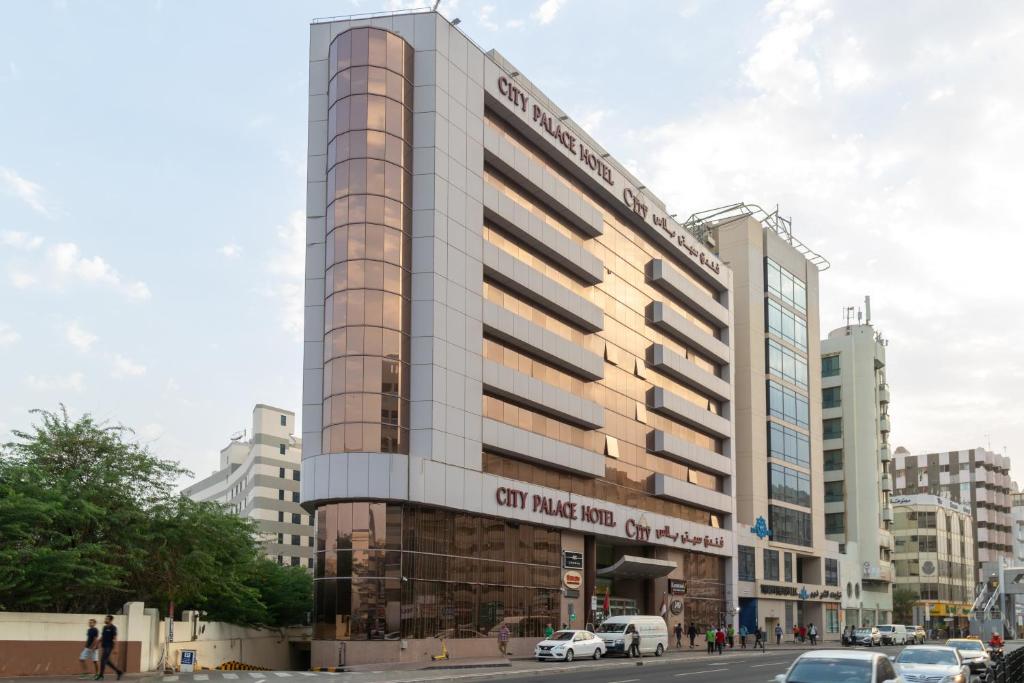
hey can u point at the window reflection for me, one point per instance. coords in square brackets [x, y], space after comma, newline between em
[367, 289]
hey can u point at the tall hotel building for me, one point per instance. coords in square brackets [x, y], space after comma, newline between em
[517, 395]
[976, 477]
[788, 573]
[857, 455]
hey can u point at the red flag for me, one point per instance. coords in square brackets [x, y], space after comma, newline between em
[607, 603]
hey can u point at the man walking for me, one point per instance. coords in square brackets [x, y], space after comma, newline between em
[548, 631]
[720, 639]
[758, 638]
[91, 652]
[679, 635]
[730, 635]
[634, 644]
[743, 636]
[778, 634]
[108, 643]
[710, 636]
[812, 633]
[503, 640]
[692, 632]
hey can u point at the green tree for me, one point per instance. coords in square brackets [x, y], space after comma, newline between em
[903, 600]
[89, 520]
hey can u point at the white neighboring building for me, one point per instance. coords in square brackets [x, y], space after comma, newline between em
[259, 479]
[1017, 505]
[855, 417]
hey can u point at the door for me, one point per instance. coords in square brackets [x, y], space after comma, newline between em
[583, 645]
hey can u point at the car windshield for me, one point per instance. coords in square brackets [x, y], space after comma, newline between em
[966, 644]
[818, 669]
[914, 656]
[611, 628]
[887, 629]
[562, 635]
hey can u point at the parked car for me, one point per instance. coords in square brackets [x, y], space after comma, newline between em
[893, 634]
[869, 636]
[974, 654]
[930, 663]
[841, 666]
[920, 635]
[653, 634]
[569, 645]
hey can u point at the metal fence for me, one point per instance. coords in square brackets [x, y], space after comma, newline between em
[1008, 668]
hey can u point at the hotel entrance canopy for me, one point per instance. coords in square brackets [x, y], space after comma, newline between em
[633, 567]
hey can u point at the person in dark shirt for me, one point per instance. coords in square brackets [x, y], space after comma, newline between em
[108, 642]
[91, 653]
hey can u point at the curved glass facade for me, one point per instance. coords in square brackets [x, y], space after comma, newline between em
[369, 193]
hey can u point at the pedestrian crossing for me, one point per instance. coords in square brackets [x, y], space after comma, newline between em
[241, 676]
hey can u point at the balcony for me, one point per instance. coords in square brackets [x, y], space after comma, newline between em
[887, 483]
[883, 424]
[883, 393]
[884, 453]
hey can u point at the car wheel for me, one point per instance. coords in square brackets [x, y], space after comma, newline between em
[659, 651]
[568, 655]
[597, 653]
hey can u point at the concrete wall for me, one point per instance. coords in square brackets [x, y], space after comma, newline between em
[39, 643]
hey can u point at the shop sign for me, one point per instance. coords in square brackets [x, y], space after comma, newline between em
[570, 593]
[676, 587]
[572, 560]
[593, 162]
[802, 593]
[553, 507]
[572, 579]
[640, 531]
[676, 606]
[188, 661]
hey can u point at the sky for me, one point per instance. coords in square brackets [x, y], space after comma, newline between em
[152, 171]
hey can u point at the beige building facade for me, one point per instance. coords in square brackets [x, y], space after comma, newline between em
[789, 574]
[258, 478]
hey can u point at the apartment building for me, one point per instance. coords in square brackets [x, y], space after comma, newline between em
[976, 477]
[855, 432]
[788, 571]
[517, 406]
[258, 478]
[934, 558]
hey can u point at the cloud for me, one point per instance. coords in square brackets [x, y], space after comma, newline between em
[231, 251]
[8, 335]
[27, 191]
[591, 121]
[940, 94]
[78, 337]
[778, 67]
[21, 279]
[125, 367]
[74, 381]
[20, 240]
[70, 267]
[547, 11]
[288, 273]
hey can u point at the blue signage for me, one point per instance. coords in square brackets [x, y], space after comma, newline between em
[188, 656]
[804, 594]
[760, 529]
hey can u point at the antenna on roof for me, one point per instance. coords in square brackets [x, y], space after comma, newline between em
[436, 3]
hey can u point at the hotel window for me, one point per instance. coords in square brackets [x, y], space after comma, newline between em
[783, 323]
[783, 284]
[296, 518]
[835, 523]
[295, 496]
[280, 516]
[833, 460]
[832, 428]
[787, 566]
[832, 619]
[281, 449]
[295, 475]
[788, 485]
[771, 565]
[295, 562]
[830, 365]
[284, 420]
[786, 404]
[786, 364]
[833, 492]
[789, 445]
[296, 539]
[280, 472]
[831, 571]
[746, 563]
[790, 526]
[280, 494]
[831, 397]
[280, 539]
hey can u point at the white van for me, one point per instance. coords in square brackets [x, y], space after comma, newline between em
[893, 634]
[653, 634]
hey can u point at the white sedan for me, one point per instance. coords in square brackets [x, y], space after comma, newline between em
[569, 645]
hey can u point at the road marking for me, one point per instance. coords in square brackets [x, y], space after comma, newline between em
[306, 673]
[256, 674]
[754, 666]
[230, 676]
[628, 680]
[282, 674]
[170, 678]
[201, 677]
[705, 671]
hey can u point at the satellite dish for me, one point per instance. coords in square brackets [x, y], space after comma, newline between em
[237, 435]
